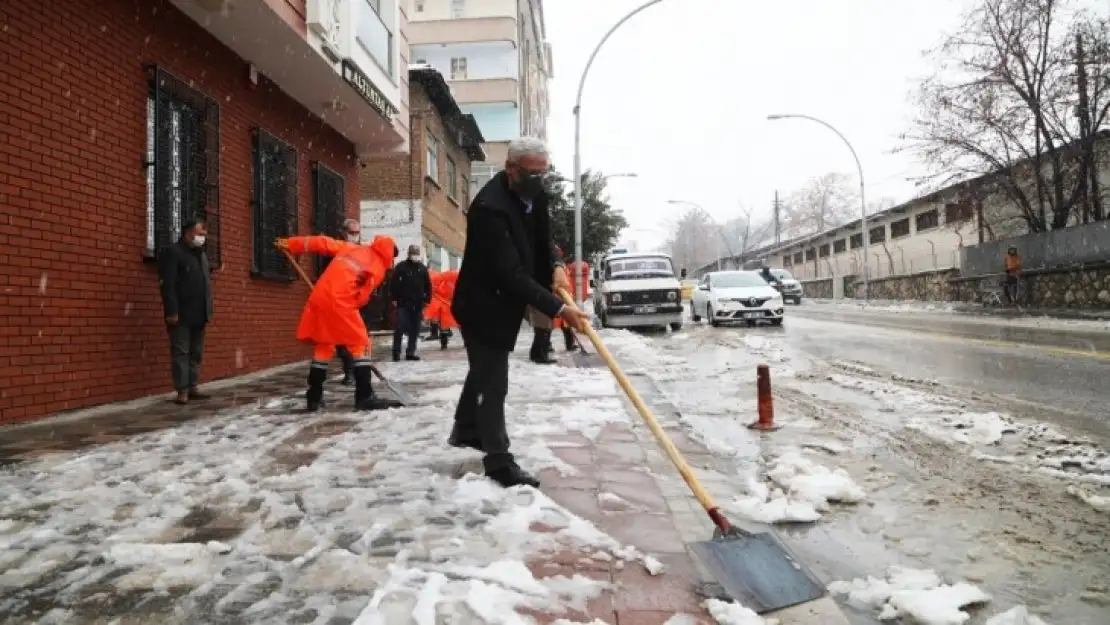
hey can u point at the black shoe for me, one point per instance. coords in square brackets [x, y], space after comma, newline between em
[412, 357]
[396, 358]
[511, 476]
[347, 380]
[375, 402]
[195, 395]
[313, 404]
[542, 357]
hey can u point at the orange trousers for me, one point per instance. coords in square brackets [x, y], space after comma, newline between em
[324, 353]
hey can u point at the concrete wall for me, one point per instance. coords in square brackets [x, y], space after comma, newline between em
[1077, 245]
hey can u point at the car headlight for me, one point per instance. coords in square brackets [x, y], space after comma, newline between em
[615, 298]
[776, 301]
[672, 296]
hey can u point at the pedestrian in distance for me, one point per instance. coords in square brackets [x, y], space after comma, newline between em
[186, 285]
[411, 289]
[331, 316]
[1013, 274]
[508, 265]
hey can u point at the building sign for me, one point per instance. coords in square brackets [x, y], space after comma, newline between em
[361, 83]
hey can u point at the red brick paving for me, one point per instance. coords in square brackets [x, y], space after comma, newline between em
[616, 464]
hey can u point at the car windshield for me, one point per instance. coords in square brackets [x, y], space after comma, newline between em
[639, 268]
[781, 274]
[737, 279]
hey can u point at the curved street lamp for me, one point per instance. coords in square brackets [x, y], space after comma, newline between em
[717, 226]
[579, 293]
[862, 201]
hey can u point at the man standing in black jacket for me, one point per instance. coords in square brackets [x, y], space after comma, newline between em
[411, 288]
[187, 304]
[508, 265]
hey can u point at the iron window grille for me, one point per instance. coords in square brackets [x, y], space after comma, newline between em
[182, 163]
[329, 207]
[274, 202]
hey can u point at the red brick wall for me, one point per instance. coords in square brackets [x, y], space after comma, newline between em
[80, 314]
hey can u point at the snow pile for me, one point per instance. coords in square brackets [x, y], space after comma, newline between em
[636, 354]
[800, 491]
[276, 516]
[970, 428]
[1018, 615]
[895, 397]
[728, 613]
[920, 595]
[1098, 502]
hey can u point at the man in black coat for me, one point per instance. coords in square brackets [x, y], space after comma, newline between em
[411, 288]
[183, 275]
[507, 266]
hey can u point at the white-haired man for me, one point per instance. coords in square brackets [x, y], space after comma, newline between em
[508, 265]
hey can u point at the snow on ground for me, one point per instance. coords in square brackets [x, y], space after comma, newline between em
[797, 489]
[920, 595]
[359, 518]
[969, 313]
[1017, 615]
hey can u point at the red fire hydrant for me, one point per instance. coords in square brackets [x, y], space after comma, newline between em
[766, 422]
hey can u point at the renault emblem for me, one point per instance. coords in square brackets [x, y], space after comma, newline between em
[753, 302]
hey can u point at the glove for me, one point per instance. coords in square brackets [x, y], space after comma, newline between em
[282, 244]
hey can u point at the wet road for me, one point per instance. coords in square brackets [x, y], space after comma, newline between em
[1061, 375]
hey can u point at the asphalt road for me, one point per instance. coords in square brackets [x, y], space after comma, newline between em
[1060, 375]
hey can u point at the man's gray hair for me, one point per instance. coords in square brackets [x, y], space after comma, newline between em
[352, 222]
[526, 146]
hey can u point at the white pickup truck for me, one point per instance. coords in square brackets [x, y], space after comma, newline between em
[637, 290]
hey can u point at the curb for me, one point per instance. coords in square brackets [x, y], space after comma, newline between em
[693, 524]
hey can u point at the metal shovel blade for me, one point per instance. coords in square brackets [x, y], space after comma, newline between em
[402, 397]
[758, 571]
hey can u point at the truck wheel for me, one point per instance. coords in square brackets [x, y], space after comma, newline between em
[676, 326]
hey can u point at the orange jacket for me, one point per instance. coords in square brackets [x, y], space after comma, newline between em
[1013, 264]
[579, 271]
[443, 292]
[331, 315]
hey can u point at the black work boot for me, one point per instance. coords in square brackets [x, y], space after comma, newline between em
[444, 338]
[365, 399]
[568, 338]
[314, 396]
[513, 475]
[434, 334]
[541, 341]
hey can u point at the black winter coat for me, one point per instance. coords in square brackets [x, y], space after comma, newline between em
[504, 270]
[410, 286]
[183, 275]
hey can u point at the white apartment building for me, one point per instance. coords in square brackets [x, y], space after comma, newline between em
[497, 61]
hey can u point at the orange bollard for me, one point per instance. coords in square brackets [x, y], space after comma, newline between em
[766, 422]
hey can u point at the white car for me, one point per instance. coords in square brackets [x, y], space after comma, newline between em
[638, 290]
[737, 296]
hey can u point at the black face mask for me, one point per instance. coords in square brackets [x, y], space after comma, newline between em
[528, 186]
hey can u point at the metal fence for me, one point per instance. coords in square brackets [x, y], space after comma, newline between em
[1066, 247]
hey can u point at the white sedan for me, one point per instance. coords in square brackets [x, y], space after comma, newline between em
[737, 296]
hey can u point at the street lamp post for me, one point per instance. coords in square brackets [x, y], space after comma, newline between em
[862, 201]
[579, 293]
[716, 226]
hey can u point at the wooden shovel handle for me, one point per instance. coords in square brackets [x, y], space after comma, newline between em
[704, 498]
[300, 270]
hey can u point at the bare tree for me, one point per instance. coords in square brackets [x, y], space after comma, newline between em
[1002, 108]
[693, 239]
[822, 203]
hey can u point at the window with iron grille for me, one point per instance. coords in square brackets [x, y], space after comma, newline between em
[182, 163]
[927, 221]
[452, 174]
[798, 258]
[329, 207]
[839, 246]
[824, 251]
[855, 241]
[275, 203]
[811, 254]
[957, 213]
[900, 228]
[877, 234]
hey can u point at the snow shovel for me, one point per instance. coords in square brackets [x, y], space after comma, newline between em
[755, 569]
[402, 397]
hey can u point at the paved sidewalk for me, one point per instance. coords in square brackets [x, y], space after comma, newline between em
[245, 510]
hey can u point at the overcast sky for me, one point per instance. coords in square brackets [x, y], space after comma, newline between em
[680, 95]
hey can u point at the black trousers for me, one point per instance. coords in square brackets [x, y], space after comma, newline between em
[480, 415]
[186, 353]
[407, 325]
[346, 358]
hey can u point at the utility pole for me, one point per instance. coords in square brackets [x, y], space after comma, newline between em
[778, 219]
[1092, 204]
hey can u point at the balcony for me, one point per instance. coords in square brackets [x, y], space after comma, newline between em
[463, 30]
[372, 35]
[486, 91]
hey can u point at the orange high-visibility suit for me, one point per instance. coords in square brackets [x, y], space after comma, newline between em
[331, 315]
[578, 273]
[443, 291]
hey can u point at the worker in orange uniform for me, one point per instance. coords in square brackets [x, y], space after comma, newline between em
[438, 312]
[331, 315]
[577, 272]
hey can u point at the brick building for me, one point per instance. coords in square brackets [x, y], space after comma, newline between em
[421, 197]
[120, 119]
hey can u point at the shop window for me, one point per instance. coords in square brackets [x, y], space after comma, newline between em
[275, 203]
[329, 207]
[182, 163]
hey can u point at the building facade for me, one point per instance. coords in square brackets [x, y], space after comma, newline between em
[421, 197]
[119, 120]
[496, 58]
